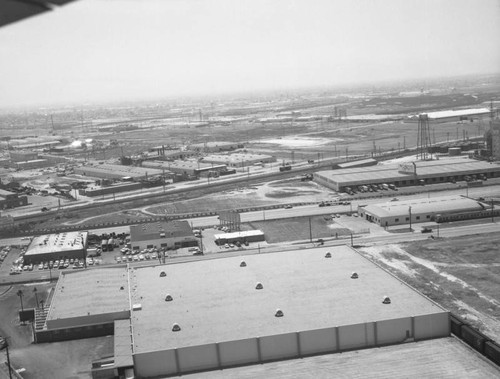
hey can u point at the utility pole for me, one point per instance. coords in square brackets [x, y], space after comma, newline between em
[409, 210]
[36, 296]
[492, 209]
[310, 231]
[6, 347]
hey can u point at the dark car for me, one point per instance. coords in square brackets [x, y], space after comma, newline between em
[426, 229]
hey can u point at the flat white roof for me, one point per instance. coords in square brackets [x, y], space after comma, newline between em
[433, 205]
[90, 292]
[456, 113]
[390, 173]
[243, 234]
[216, 300]
[53, 243]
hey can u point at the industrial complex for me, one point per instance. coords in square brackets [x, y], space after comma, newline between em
[407, 174]
[241, 310]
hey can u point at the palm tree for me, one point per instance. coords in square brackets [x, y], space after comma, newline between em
[20, 294]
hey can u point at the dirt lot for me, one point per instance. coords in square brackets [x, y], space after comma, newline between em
[461, 274]
[296, 229]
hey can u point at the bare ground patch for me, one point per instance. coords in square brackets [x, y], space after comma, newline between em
[461, 274]
[296, 229]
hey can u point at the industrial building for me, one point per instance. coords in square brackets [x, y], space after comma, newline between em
[212, 314]
[110, 171]
[248, 236]
[407, 174]
[215, 147]
[239, 159]
[168, 235]
[358, 163]
[58, 246]
[186, 168]
[162, 152]
[11, 200]
[23, 156]
[417, 210]
[85, 304]
[29, 165]
[454, 115]
[112, 189]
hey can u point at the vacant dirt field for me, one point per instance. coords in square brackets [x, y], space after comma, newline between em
[461, 274]
[296, 229]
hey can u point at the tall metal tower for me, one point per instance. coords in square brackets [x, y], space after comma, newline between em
[424, 138]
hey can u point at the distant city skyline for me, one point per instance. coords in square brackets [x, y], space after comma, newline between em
[122, 50]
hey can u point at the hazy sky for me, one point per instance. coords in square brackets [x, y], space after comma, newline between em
[95, 50]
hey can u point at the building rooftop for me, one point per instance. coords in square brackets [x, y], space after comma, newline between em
[442, 204]
[242, 234]
[390, 172]
[119, 169]
[52, 243]
[188, 165]
[90, 292]
[157, 230]
[358, 163]
[457, 113]
[5, 193]
[444, 358]
[216, 300]
[236, 157]
[122, 346]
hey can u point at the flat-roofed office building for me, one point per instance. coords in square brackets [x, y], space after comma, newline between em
[419, 210]
[167, 235]
[58, 246]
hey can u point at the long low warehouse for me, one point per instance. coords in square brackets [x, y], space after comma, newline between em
[248, 235]
[407, 174]
[418, 210]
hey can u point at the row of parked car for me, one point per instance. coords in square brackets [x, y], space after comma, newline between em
[331, 203]
[135, 256]
[62, 264]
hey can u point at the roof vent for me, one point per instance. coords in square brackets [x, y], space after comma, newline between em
[328, 255]
[243, 264]
[162, 274]
[168, 298]
[176, 327]
[121, 288]
[259, 286]
[354, 275]
[387, 300]
[279, 313]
